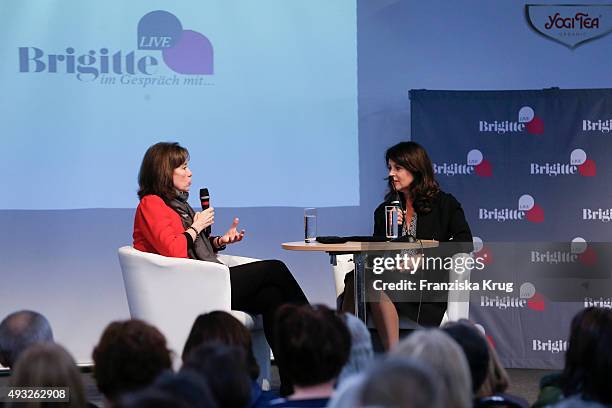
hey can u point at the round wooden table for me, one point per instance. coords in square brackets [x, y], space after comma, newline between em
[359, 250]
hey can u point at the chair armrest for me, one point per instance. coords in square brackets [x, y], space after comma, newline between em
[185, 284]
[235, 260]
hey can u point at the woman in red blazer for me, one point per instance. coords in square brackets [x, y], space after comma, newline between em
[166, 224]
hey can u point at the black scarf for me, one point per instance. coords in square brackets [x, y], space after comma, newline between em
[202, 248]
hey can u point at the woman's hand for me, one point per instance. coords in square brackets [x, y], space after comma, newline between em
[203, 219]
[232, 235]
[400, 217]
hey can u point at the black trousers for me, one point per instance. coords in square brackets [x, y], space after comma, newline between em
[261, 288]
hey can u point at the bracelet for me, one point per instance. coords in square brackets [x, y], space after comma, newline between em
[219, 244]
[194, 230]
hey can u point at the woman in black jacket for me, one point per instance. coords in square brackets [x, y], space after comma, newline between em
[426, 213]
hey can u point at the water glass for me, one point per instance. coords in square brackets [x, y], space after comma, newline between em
[391, 221]
[310, 224]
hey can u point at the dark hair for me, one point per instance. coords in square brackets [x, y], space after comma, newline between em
[401, 382]
[474, 347]
[129, 356]
[312, 342]
[20, 330]
[588, 360]
[49, 365]
[424, 188]
[222, 327]
[224, 368]
[185, 389]
[158, 164]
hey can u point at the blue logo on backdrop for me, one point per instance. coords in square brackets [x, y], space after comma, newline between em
[184, 52]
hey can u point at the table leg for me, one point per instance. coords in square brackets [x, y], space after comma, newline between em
[359, 284]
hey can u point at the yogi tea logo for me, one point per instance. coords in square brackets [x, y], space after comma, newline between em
[475, 164]
[578, 164]
[527, 121]
[570, 25]
[160, 40]
[527, 210]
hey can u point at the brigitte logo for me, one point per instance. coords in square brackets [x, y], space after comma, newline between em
[550, 346]
[605, 303]
[527, 210]
[475, 164]
[184, 52]
[597, 214]
[602, 126]
[578, 163]
[536, 302]
[579, 252]
[527, 121]
[570, 25]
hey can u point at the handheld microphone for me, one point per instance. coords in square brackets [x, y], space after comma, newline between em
[205, 202]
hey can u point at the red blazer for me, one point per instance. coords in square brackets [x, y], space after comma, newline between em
[158, 228]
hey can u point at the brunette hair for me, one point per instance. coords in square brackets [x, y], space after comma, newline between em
[158, 164]
[130, 356]
[222, 327]
[588, 360]
[424, 188]
[312, 342]
[49, 365]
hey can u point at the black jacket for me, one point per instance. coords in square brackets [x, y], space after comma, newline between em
[445, 222]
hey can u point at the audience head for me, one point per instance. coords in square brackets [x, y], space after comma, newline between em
[475, 347]
[49, 365]
[181, 390]
[129, 356]
[312, 342]
[588, 360]
[20, 330]
[401, 382]
[225, 370]
[222, 327]
[443, 354]
[157, 169]
[497, 380]
[361, 353]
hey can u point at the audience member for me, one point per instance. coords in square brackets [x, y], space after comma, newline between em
[20, 330]
[474, 346]
[130, 356]
[181, 390]
[222, 327]
[361, 353]
[225, 370]
[48, 365]
[443, 354]
[489, 377]
[315, 344]
[401, 382]
[585, 380]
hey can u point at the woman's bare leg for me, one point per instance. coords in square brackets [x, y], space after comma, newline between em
[348, 301]
[386, 321]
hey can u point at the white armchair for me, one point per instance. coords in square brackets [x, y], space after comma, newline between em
[170, 293]
[458, 301]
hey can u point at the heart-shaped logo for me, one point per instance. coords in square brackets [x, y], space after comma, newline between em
[484, 169]
[536, 303]
[536, 214]
[536, 126]
[192, 55]
[588, 168]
